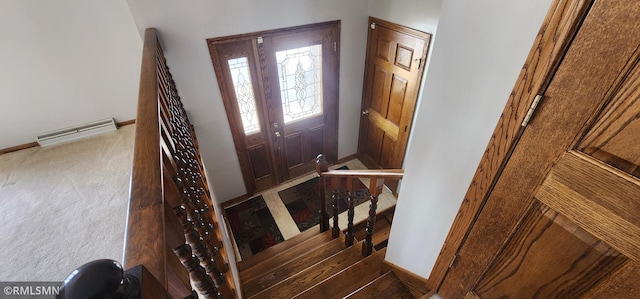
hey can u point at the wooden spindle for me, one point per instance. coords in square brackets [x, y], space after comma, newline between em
[205, 228]
[201, 281]
[335, 186]
[199, 210]
[199, 247]
[322, 166]
[348, 241]
[375, 188]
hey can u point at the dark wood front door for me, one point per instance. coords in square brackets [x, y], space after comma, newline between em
[280, 91]
[394, 65]
[563, 220]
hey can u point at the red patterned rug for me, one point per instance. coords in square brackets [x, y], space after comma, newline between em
[302, 201]
[253, 226]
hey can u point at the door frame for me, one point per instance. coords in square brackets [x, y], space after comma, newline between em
[263, 82]
[558, 29]
[407, 116]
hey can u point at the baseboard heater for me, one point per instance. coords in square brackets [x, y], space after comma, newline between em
[77, 132]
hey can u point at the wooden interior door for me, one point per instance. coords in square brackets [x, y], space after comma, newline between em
[280, 91]
[563, 220]
[393, 71]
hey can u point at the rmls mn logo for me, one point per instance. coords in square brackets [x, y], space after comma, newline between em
[40, 290]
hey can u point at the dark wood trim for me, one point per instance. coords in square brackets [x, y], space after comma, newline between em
[234, 201]
[366, 173]
[346, 159]
[558, 29]
[403, 29]
[18, 148]
[126, 123]
[271, 32]
[416, 284]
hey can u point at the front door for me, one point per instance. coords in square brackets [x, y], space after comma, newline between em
[563, 220]
[394, 65]
[280, 91]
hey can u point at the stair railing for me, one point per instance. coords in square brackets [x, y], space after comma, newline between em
[376, 183]
[170, 205]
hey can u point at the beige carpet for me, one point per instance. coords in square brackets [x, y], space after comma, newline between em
[63, 206]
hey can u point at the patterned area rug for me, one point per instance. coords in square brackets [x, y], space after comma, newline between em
[253, 226]
[302, 200]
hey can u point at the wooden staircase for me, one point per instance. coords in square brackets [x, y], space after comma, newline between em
[315, 265]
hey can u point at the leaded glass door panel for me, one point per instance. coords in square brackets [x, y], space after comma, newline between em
[280, 90]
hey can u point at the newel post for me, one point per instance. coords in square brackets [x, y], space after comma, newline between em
[322, 166]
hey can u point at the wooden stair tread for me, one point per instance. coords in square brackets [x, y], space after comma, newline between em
[295, 248]
[313, 275]
[278, 248]
[348, 280]
[381, 232]
[385, 286]
[282, 267]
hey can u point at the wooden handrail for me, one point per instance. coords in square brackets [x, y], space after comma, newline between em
[366, 173]
[376, 184]
[144, 237]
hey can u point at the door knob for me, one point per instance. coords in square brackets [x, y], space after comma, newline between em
[365, 112]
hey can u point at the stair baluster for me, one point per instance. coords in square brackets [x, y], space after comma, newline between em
[200, 249]
[349, 234]
[196, 213]
[375, 188]
[201, 281]
[322, 166]
[335, 185]
[190, 176]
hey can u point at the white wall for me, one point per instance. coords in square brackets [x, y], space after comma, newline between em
[417, 14]
[64, 63]
[477, 55]
[185, 25]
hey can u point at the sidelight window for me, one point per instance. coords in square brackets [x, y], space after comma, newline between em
[241, 77]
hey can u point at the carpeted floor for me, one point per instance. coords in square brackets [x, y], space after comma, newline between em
[63, 206]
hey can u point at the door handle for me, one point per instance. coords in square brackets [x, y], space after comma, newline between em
[275, 128]
[365, 112]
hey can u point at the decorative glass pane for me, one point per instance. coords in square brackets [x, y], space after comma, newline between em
[241, 77]
[300, 76]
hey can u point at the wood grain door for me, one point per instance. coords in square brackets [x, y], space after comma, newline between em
[563, 220]
[280, 91]
[306, 68]
[393, 71]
